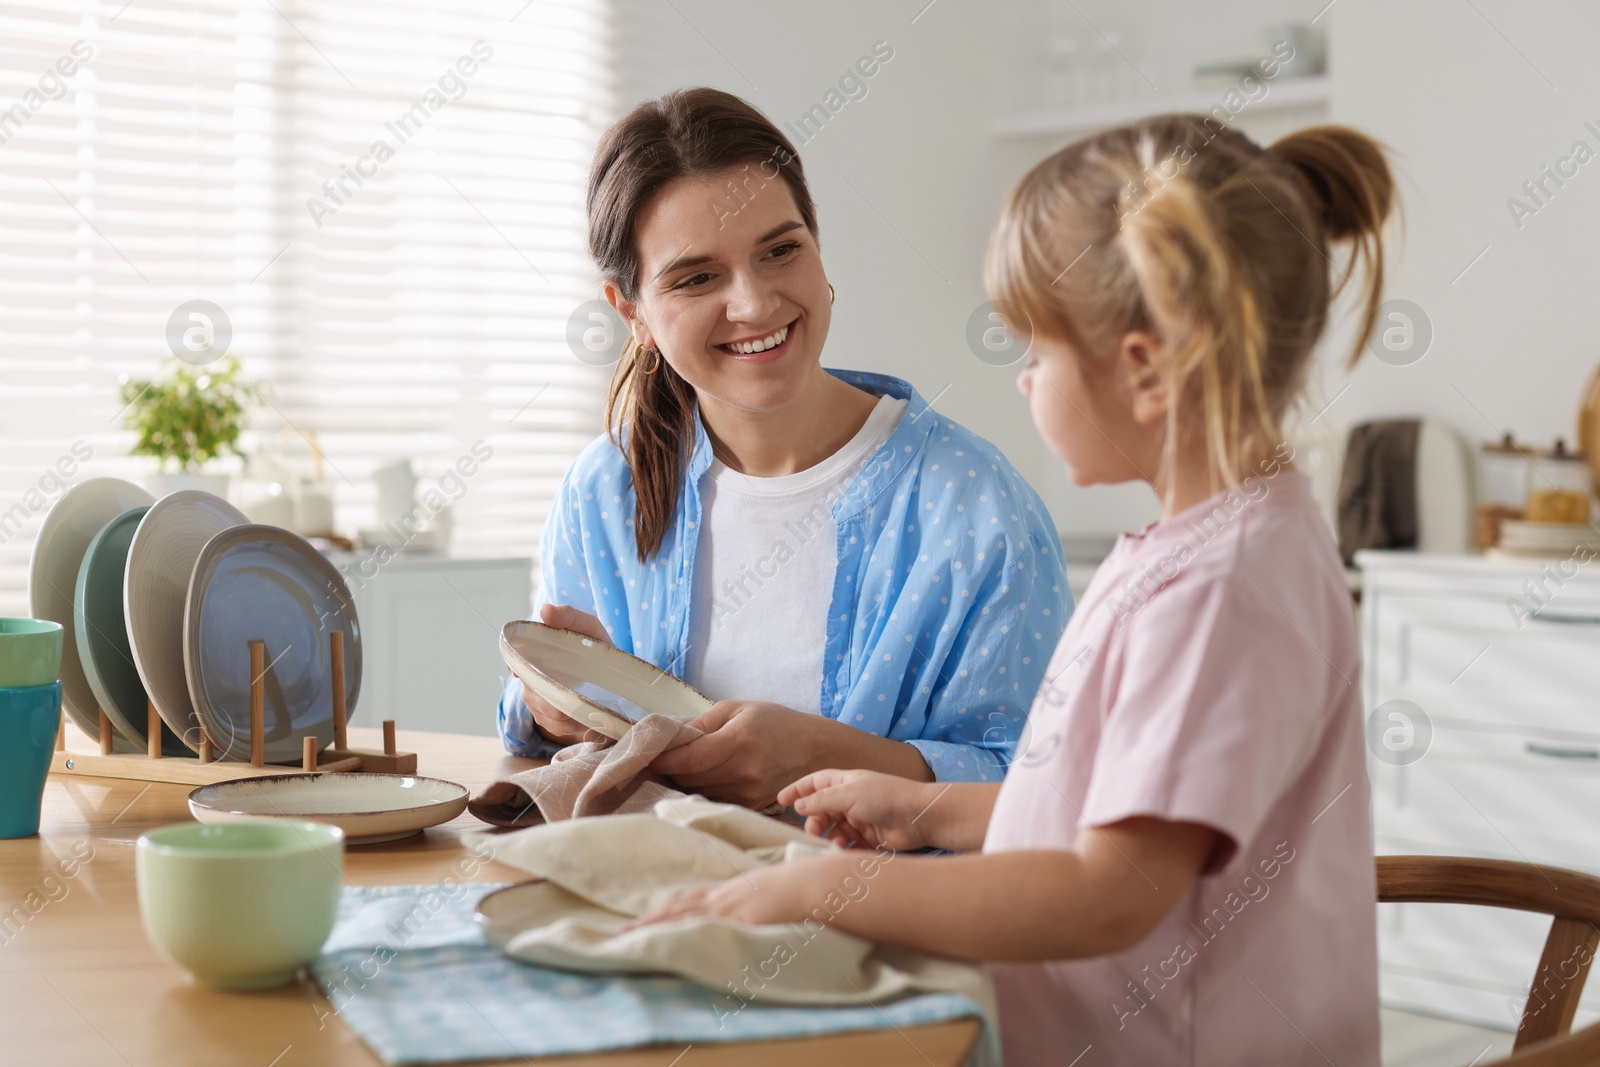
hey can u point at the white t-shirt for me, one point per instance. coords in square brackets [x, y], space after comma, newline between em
[763, 573]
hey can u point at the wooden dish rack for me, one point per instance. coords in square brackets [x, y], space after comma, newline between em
[205, 768]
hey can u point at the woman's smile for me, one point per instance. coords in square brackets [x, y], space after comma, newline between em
[761, 348]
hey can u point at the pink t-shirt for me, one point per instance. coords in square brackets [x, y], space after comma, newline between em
[1210, 675]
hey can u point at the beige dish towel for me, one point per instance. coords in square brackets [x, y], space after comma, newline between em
[603, 872]
[592, 778]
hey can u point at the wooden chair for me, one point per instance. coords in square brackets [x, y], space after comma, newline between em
[1544, 1036]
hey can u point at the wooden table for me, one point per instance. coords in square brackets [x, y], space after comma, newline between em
[80, 984]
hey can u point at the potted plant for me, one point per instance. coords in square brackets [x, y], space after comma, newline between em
[186, 420]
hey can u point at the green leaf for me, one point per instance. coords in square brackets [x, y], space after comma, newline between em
[191, 416]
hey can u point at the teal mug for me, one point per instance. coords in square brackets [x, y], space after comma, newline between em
[30, 653]
[30, 719]
[240, 905]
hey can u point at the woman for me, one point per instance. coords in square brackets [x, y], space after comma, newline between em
[867, 583]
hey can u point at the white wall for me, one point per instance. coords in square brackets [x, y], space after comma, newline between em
[1463, 99]
[909, 179]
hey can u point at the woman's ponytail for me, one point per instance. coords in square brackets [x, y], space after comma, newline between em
[657, 409]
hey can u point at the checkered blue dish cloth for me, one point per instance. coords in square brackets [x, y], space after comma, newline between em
[407, 968]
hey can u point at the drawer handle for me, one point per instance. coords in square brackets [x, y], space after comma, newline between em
[1569, 620]
[1536, 749]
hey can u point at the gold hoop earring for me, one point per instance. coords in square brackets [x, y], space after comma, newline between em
[831, 294]
[655, 366]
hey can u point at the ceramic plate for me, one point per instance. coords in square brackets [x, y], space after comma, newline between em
[53, 576]
[593, 683]
[1546, 535]
[265, 583]
[102, 634]
[368, 807]
[155, 590]
[508, 912]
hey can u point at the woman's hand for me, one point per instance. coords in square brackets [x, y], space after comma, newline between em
[865, 808]
[547, 719]
[751, 749]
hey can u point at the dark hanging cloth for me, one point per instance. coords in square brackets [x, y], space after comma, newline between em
[1378, 489]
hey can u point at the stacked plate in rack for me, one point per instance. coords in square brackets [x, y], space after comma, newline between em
[265, 583]
[102, 634]
[160, 601]
[58, 554]
[1547, 539]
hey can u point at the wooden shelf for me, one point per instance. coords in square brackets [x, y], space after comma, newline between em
[1282, 95]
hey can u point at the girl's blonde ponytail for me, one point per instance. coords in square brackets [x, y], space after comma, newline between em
[1354, 190]
[1200, 302]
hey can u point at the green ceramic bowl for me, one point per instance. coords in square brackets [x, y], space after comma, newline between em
[240, 905]
[30, 653]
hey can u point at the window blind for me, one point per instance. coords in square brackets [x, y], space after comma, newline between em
[385, 199]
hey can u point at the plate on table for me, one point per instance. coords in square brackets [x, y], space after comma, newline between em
[508, 912]
[592, 682]
[369, 808]
[155, 590]
[53, 577]
[264, 583]
[102, 634]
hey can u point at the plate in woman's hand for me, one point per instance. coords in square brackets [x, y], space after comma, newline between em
[594, 683]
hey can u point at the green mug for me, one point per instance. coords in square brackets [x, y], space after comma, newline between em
[29, 721]
[30, 653]
[240, 905]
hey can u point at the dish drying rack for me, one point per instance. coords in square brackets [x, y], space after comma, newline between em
[205, 768]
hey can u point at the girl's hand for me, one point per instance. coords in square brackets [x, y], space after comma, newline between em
[785, 893]
[547, 718]
[865, 808]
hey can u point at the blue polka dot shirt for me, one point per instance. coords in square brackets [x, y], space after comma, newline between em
[949, 594]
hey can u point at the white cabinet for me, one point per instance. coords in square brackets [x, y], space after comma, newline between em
[1503, 660]
[430, 637]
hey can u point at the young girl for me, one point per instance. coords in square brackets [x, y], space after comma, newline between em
[1178, 867]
